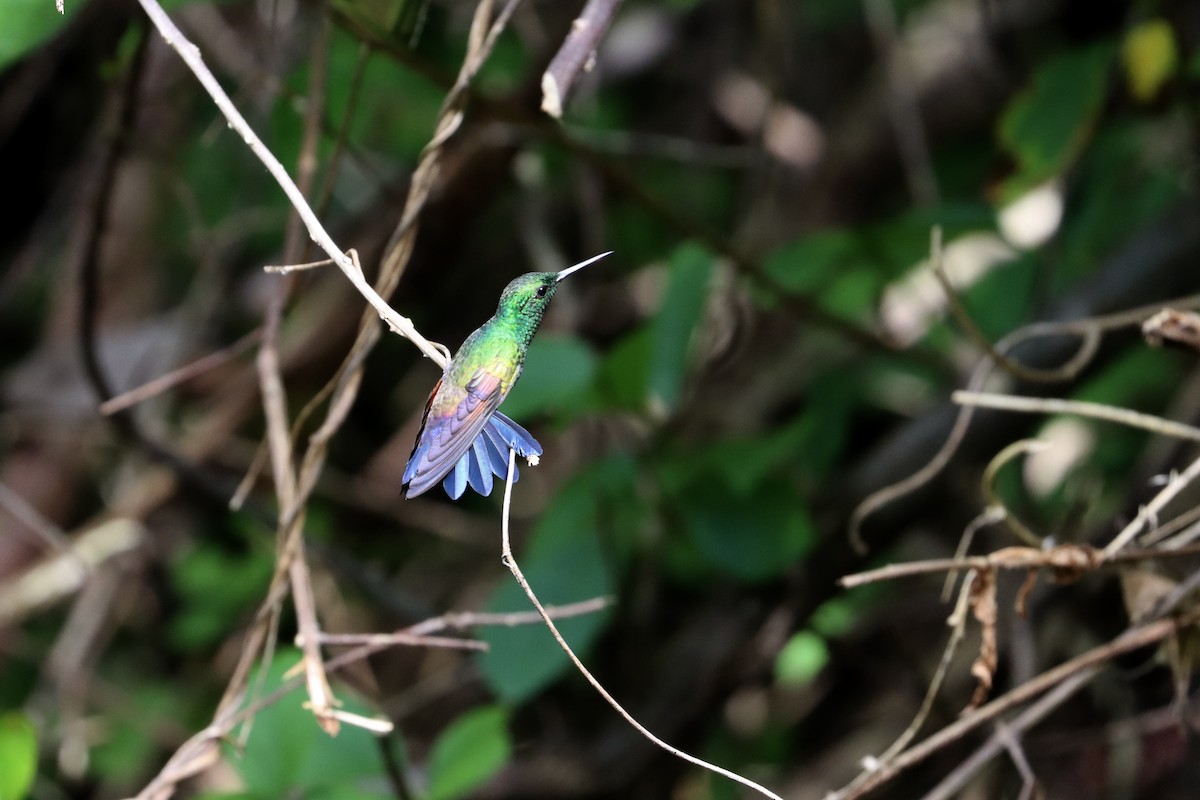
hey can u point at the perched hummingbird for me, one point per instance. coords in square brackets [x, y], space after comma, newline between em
[463, 438]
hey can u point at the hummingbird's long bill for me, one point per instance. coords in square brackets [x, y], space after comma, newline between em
[581, 265]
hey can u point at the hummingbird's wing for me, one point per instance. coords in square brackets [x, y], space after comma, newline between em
[453, 419]
[488, 456]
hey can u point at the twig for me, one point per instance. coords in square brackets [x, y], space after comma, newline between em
[1132, 639]
[419, 634]
[989, 516]
[1150, 510]
[199, 752]
[1006, 732]
[958, 624]
[959, 310]
[1087, 330]
[903, 103]
[181, 375]
[511, 563]
[1165, 533]
[287, 269]
[461, 620]
[63, 574]
[390, 639]
[993, 498]
[321, 698]
[1064, 557]
[1083, 408]
[191, 56]
[577, 53]
[1089, 341]
[21, 510]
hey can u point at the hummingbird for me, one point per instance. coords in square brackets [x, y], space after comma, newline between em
[463, 437]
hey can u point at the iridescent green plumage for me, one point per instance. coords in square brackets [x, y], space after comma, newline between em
[463, 438]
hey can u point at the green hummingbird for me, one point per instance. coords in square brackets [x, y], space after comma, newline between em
[463, 437]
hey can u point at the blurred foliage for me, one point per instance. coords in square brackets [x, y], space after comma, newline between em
[18, 756]
[1047, 126]
[468, 752]
[714, 398]
[29, 23]
[285, 753]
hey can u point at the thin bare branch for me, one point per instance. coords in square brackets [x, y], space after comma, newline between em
[958, 627]
[1088, 331]
[1082, 408]
[287, 269]
[47, 531]
[577, 54]
[183, 374]
[1133, 639]
[1005, 735]
[515, 569]
[191, 56]
[1149, 512]
[64, 574]
[1067, 557]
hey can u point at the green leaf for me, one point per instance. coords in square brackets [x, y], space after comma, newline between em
[1046, 126]
[621, 380]
[750, 536]
[558, 370]
[215, 589]
[801, 659]
[807, 264]
[681, 311]
[469, 752]
[18, 755]
[129, 741]
[810, 444]
[844, 270]
[287, 752]
[29, 23]
[1150, 57]
[564, 564]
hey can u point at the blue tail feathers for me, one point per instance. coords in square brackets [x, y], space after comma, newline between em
[488, 456]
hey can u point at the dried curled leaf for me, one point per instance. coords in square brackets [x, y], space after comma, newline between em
[1021, 604]
[983, 607]
[1173, 328]
[1142, 589]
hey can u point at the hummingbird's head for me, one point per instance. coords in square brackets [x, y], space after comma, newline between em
[526, 297]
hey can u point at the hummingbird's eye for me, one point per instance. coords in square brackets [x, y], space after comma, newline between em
[541, 291]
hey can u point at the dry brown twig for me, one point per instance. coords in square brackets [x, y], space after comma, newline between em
[191, 56]
[170, 380]
[1082, 408]
[1065, 561]
[957, 621]
[200, 751]
[577, 53]
[1134, 638]
[1088, 331]
[293, 486]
